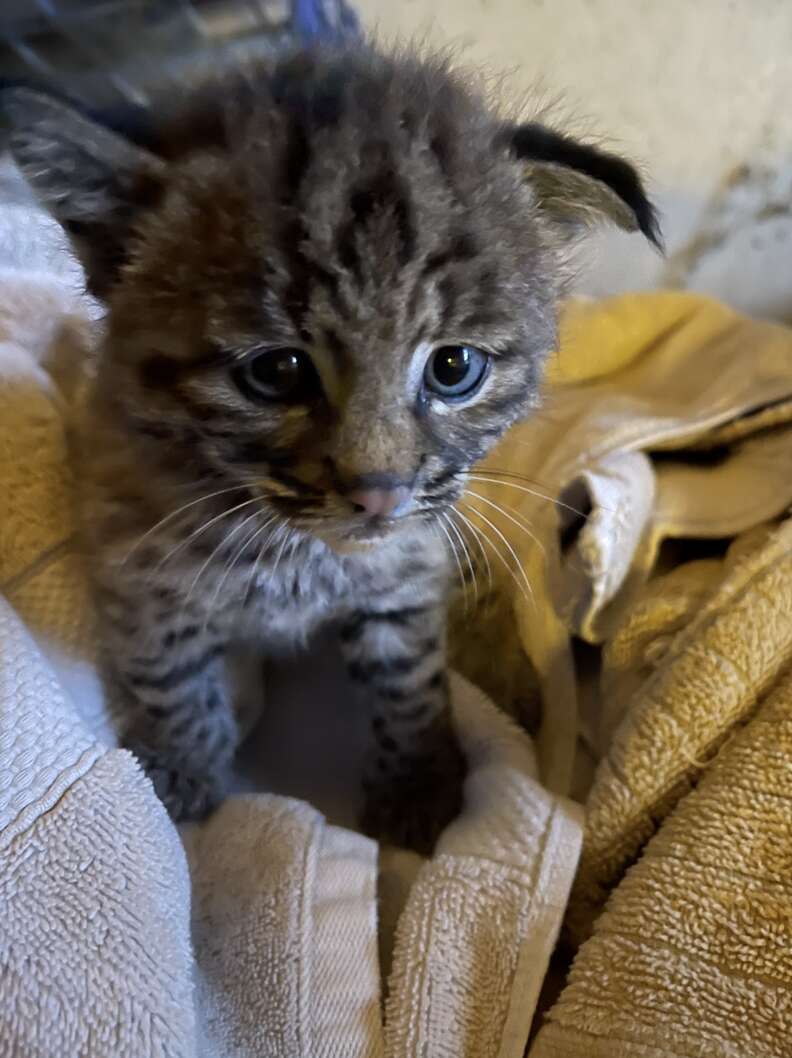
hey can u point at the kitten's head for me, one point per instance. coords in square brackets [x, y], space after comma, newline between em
[334, 279]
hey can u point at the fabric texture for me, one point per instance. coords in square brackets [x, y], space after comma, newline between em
[668, 417]
[683, 899]
[692, 953]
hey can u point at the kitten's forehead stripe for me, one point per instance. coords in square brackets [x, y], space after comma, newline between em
[386, 194]
[329, 282]
[334, 342]
[297, 160]
[449, 295]
[463, 248]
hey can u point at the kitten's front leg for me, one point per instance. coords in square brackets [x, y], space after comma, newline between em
[413, 787]
[168, 661]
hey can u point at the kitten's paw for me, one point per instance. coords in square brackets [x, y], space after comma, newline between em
[188, 795]
[410, 809]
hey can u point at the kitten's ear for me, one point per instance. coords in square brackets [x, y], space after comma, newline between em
[579, 185]
[92, 180]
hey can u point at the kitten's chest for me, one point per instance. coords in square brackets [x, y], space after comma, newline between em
[291, 599]
[286, 596]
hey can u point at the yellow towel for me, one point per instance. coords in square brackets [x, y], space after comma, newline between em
[712, 677]
[683, 900]
[693, 954]
[598, 338]
[689, 819]
[635, 375]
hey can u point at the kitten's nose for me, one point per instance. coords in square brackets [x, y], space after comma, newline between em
[378, 495]
[380, 502]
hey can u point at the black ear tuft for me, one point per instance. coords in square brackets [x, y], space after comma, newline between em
[537, 143]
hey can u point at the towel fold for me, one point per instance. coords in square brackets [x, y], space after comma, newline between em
[668, 416]
[671, 438]
[502, 868]
[692, 954]
[711, 677]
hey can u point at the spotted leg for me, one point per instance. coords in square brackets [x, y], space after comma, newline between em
[182, 729]
[413, 785]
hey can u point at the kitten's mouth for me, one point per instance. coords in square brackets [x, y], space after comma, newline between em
[362, 536]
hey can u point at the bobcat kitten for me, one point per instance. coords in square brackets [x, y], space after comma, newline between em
[330, 287]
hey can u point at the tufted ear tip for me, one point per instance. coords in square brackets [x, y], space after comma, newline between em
[577, 182]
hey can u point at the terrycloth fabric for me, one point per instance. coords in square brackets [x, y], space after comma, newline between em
[484, 879]
[709, 679]
[285, 933]
[679, 431]
[693, 955]
[95, 952]
[93, 959]
[472, 944]
[668, 417]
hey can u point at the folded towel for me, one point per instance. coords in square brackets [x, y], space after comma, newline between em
[95, 954]
[713, 673]
[95, 945]
[668, 416]
[680, 429]
[487, 878]
[692, 955]
[285, 925]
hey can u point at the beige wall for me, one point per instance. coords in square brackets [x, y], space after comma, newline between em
[699, 91]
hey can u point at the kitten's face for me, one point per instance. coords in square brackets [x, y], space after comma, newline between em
[367, 332]
[341, 297]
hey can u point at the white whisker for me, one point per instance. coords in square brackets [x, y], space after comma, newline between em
[236, 555]
[202, 529]
[175, 514]
[466, 553]
[504, 562]
[233, 561]
[282, 548]
[477, 537]
[509, 548]
[456, 558]
[502, 510]
[201, 570]
[257, 563]
[496, 480]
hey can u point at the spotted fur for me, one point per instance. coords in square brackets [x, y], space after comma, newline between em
[362, 208]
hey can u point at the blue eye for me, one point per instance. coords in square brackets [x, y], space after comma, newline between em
[279, 375]
[454, 371]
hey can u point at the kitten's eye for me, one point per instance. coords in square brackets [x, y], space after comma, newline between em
[279, 374]
[455, 370]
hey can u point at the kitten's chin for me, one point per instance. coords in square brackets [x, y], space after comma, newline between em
[346, 546]
[360, 538]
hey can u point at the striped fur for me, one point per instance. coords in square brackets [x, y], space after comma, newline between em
[362, 209]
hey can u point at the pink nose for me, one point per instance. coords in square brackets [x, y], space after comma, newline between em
[383, 503]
